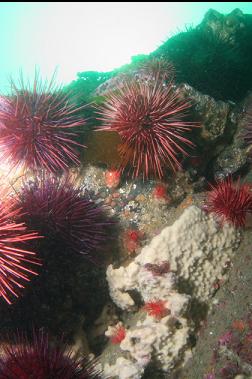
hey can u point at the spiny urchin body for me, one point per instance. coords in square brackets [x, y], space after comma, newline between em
[156, 69]
[150, 119]
[37, 127]
[65, 214]
[16, 262]
[230, 201]
[39, 360]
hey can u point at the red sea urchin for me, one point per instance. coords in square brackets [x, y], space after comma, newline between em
[65, 214]
[149, 118]
[36, 127]
[230, 201]
[15, 262]
[157, 69]
[39, 360]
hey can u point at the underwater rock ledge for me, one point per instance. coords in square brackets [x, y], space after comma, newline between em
[199, 252]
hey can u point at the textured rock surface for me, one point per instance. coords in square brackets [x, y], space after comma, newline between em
[228, 27]
[199, 251]
[217, 141]
[234, 156]
[231, 303]
[212, 113]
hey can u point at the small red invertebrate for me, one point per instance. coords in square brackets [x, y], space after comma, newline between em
[160, 192]
[149, 118]
[119, 335]
[37, 127]
[133, 235]
[38, 359]
[131, 239]
[16, 262]
[158, 269]
[112, 178]
[156, 309]
[230, 201]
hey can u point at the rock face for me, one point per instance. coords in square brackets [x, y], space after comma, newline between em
[214, 71]
[197, 250]
[213, 65]
[220, 139]
[235, 156]
[219, 146]
[215, 57]
[229, 28]
[213, 114]
[180, 265]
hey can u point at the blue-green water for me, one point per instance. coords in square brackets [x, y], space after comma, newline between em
[77, 37]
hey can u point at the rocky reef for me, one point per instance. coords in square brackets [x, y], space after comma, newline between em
[198, 253]
[140, 302]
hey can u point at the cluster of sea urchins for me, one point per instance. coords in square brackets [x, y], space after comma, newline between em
[149, 117]
[38, 359]
[37, 127]
[37, 131]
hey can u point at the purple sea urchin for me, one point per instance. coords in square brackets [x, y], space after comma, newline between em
[39, 360]
[36, 127]
[149, 118]
[65, 214]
